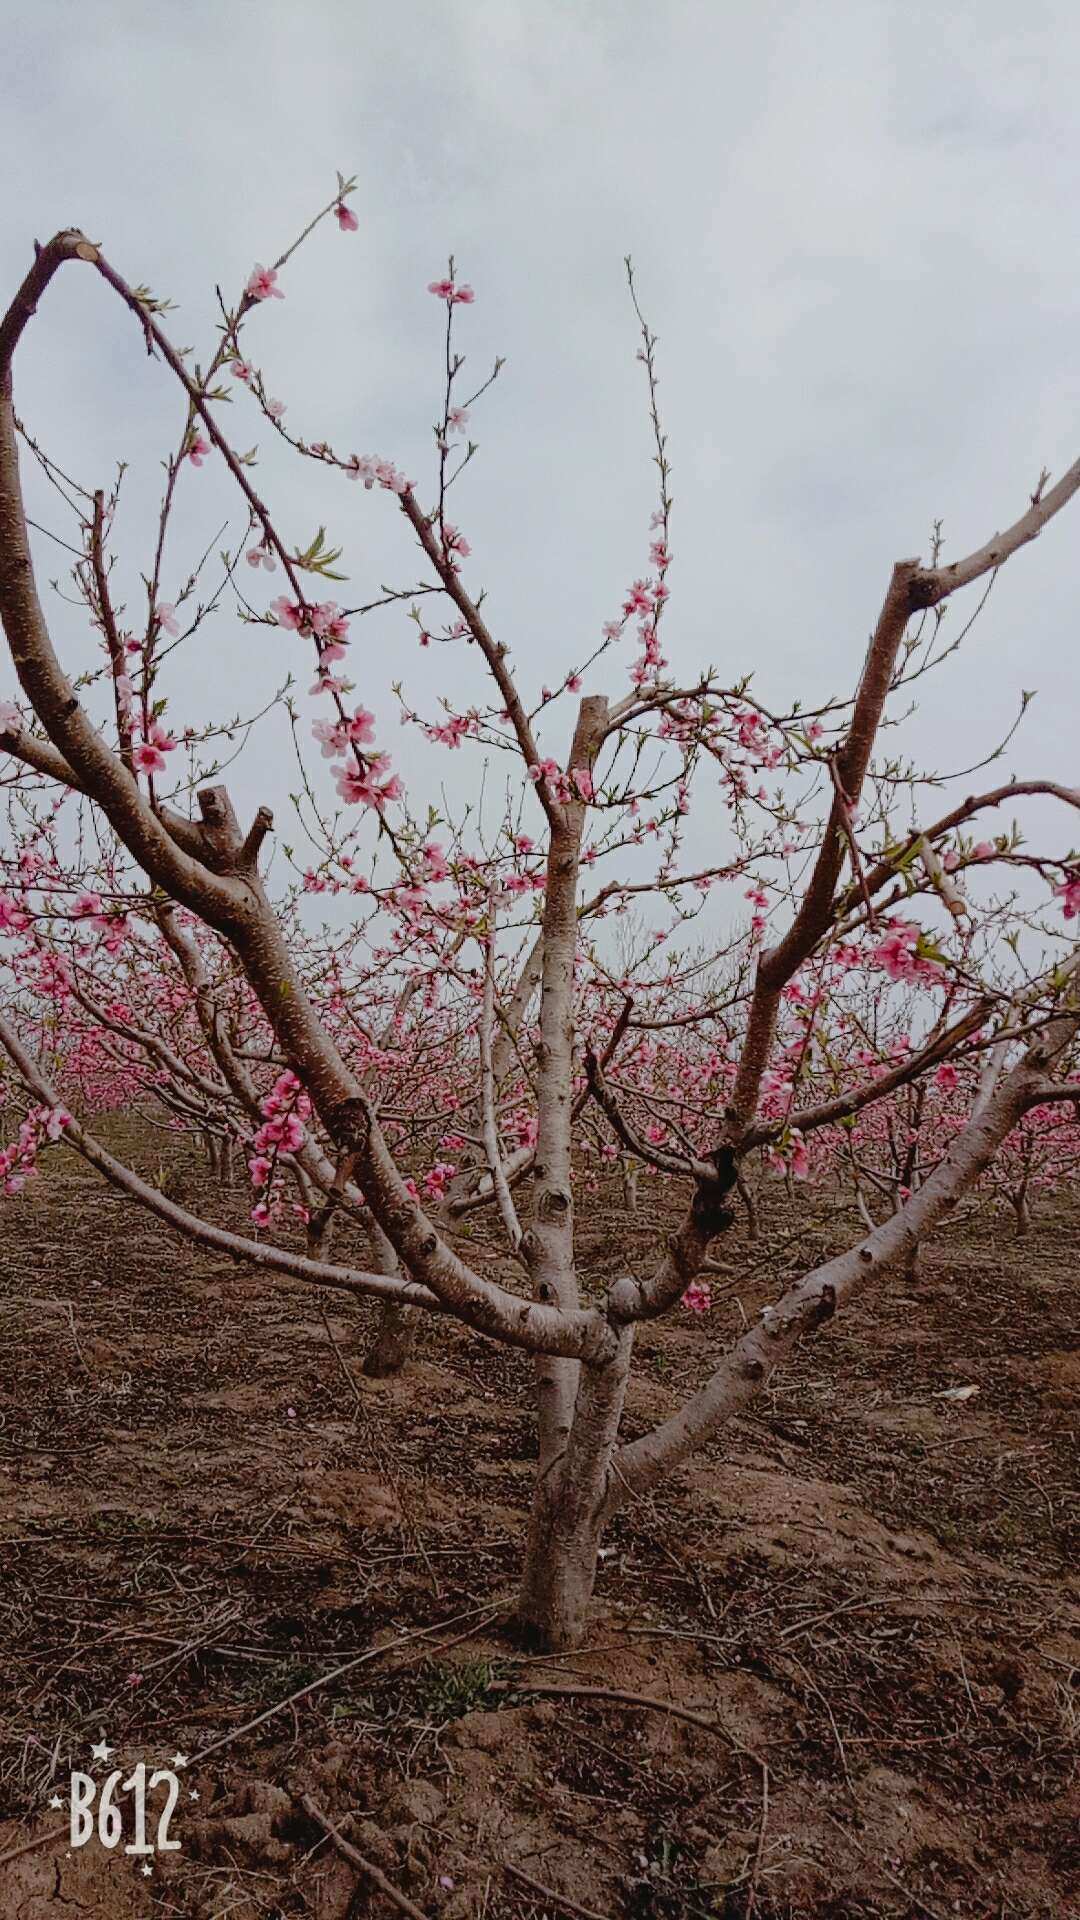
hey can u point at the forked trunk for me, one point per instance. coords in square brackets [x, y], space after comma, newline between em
[570, 1510]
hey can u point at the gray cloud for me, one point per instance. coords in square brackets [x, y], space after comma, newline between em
[854, 231]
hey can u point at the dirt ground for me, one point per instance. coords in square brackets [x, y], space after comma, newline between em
[865, 1599]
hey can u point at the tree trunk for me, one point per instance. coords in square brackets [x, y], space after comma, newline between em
[1023, 1213]
[746, 1195]
[395, 1335]
[559, 1574]
[631, 1173]
[571, 1506]
[392, 1346]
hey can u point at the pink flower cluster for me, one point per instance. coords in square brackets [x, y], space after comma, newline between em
[438, 1178]
[112, 926]
[455, 545]
[149, 754]
[19, 1161]
[369, 785]
[13, 915]
[323, 620]
[698, 1297]
[454, 295]
[1069, 895]
[452, 731]
[377, 472]
[262, 284]
[897, 953]
[790, 1156]
[575, 785]
[284, 1111]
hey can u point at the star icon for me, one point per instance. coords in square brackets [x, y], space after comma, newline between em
[148, 1869]
[56, 1801]
[101, 1751]
[179, 1759]
[194, 1794]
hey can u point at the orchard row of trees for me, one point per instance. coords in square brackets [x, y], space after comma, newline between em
[691, 932]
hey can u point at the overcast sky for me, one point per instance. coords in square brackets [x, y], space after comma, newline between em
[854, 229]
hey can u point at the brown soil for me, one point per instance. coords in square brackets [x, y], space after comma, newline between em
[867, 1593]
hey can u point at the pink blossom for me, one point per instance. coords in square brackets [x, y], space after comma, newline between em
[946, 1077]
[698, 1297]
[328, 622]
[442, 289]
[263, 285]
[198, 448]
[331, 735]
[13, 917]
[10, 718]
[275, 408]
[370, 787]
[1069, 894]
[148, 758]
[165, 614]
[457, 419]
[345, 218]
[242, 370]
[896, 953]
[288, 613]
[261, 556]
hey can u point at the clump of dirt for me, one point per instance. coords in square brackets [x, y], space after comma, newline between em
[863, 1602]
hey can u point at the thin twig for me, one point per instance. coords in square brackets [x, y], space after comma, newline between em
[933, 1913]
[375, 1874]
[53, 1833]
[632, 1700]
[361, 1412]
[549, 1893]
[326, 1679]
[751, 1892]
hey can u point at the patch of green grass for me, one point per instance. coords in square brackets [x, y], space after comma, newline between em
[445, 1690]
